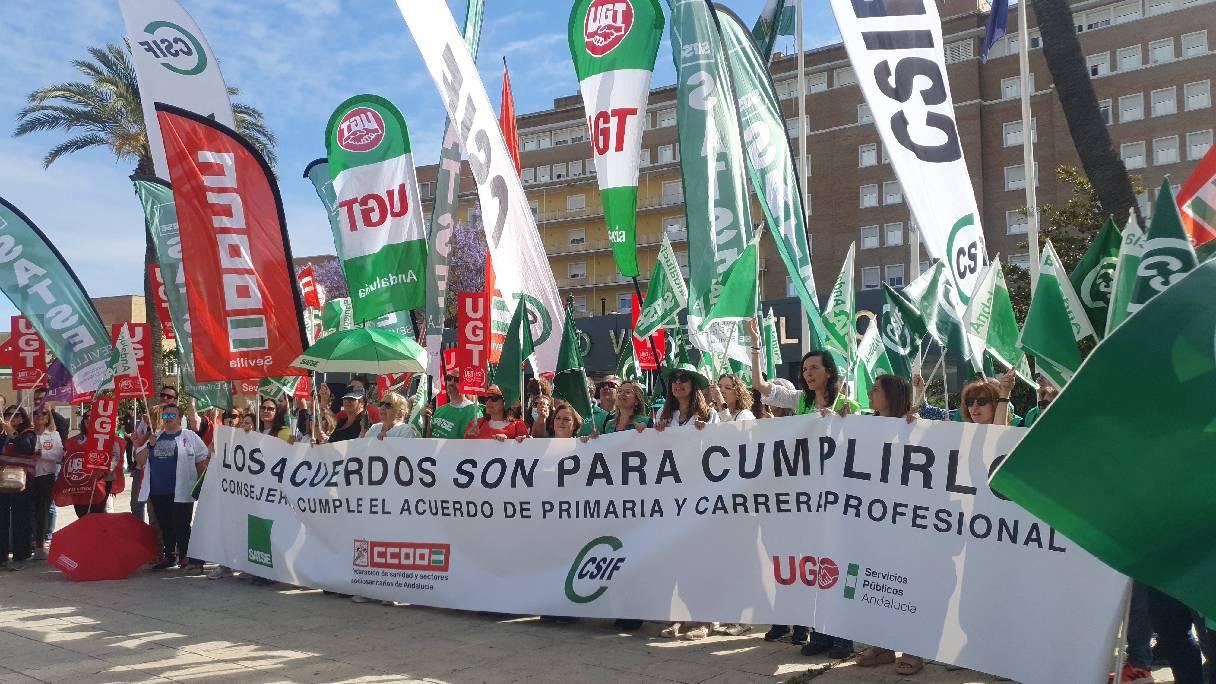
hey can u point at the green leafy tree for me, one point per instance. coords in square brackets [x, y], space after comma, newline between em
[104, 110]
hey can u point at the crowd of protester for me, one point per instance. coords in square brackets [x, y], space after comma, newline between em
[168, 448]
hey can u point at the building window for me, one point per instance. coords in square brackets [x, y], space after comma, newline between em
[959, 51]
[863, 114]
[894, 233]
[1015, 177]
[1156, 7]
[528, 175]
[844, 76]
[1132, 154]
[624, 303]
[1165, 150]
[576, 202]
[790, 290]
[576, 270]
[426, 190]
[1198, 95]
[817, 83]
[1194, 43]
[1020, 260]
[580, 303]
[576, 168]
[895, 275]
[534, 205]
[1011, 87]
[1015, 222]
[542, 174]
[1107, 112]
[1128, 11]
[674, 227]
[869, 196]
[786, 90]
[1011, 132]
[1095, 19]
[673, 192]
[869, 237]
[1161, 51]
[791, 126]
[1131, 107]
[665, 118]
[1197, 144]
[666, 154]
[1163, 102]
[867, 155]
[577, 236]
[1099, 65]
[1129, 58]
[892, 193]
[559, 171]
[869, 277]
[645, 159]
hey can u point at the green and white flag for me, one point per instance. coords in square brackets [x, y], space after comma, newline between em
[871, 362]
[418, 400]
[336, 315]
[666, 294]
[379, 234]
[1135, 490]
[772, 345]
[1168, 253]
[626, 363]
[935, 296]
[902, 329]
[776, 19]
[613, 45]
[1131, 249]
[122, 360]
[570, 380]
[991, 325]
[712, 165]
[740, 296]
[1055, 323]
[840, 312]
[517, 347]
[1094, 274]
[770, 163]
[278, 386]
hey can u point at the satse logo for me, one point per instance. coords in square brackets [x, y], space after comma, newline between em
[608, 22]
[386, 555]
[259, 541]
[361, 130]
[597, 562]
[175, 48]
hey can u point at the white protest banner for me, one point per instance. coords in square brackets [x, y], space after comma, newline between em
[521, 266]
[890, 45]
[867, 528]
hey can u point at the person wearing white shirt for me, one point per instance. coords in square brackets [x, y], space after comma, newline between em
[174, 457]
[737, 397]
[48, 454]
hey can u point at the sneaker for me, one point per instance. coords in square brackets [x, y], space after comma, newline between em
[193, 569]
[219, 572]
[16, 566]
[360, 599]
[672, 632]
[776, 632]
[841, 651]
[164, 565]
[1133, 675]
[815, 646]
[697, 633]
[735, 629]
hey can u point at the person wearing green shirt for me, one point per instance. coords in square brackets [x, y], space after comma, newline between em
[1046, 395]
[450, 420]
[630, 411]
[605, 394]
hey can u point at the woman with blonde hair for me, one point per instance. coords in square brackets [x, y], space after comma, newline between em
[394, 418]
[986, 401]
[736, 397]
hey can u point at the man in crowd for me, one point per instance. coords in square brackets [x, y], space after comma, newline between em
[173, 459]
[450, 420]
[605, 403]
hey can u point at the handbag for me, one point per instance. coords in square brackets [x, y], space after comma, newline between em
[12, 480]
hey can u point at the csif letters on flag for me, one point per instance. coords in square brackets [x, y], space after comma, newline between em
[245, 309]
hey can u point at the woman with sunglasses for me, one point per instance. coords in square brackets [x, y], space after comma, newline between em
[394, 419]
[1045, 395]
[49, 451]
[495, 423]
[273, 420]
[986, 401]
[685, 403]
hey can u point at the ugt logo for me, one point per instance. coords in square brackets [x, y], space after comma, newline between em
[259, 541]
[175, 48]
[811, 571]
[361, 130]
[607, 24]
[594, 564]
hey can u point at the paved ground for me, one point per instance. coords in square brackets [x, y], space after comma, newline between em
[159, 627]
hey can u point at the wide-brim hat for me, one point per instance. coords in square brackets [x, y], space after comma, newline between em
[701, 380]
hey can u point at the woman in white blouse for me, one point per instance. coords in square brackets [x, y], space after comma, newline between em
[737, 397]
[48, 453]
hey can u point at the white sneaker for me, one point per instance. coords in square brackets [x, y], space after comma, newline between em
[219, 572]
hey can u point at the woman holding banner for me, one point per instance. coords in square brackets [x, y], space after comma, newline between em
[395, 412]
[495, 423]
[630, 409]
[49, 450]
[986, 401]
[736, 397]
[821, 383]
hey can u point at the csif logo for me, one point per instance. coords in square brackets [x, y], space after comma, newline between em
[259, 541]
[608, 23]
[821, 572]
[1097, 284]
[967, 255]
[175, 48]
[361, 130]
[597, 562]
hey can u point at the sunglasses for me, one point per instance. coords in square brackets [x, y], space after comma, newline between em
[681, 377]
[977, 401]
[493, 397]
[1044, 403]
[608, 385]
[168, 416]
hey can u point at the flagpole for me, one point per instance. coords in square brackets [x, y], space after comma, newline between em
[1030, 176]
[802, 152]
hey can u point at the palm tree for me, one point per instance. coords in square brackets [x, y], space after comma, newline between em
[1070, 73]
[104, 110]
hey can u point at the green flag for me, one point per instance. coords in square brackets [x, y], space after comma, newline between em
[872, 362]
[278, 386]
[776, 19]
[772, 345]
[516, 348]
[336, 315]
[1055, 322]
[570, 381]
[1092, 278]
[677, 348]
[936, 297]
[839, 316]
[740, 295]
[1131, 249]
[1135, 490]
[626, 364]
[1168, 254]
[379, 234]
[122, 362]
[991, 325]
[666, 294]
[613, 45]
[902, 329]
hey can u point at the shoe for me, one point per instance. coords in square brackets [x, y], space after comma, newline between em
[219, 572]
[16, 566]
[360, 599]
[40, 554]
[1133, 675]
[816, 647]
[164, 565]
[776, 632]
[735, 629]
[192, 569]
[802, 636]
[696, 633]
[392, 604]
[627, 625]
[841, 651]
[672, 632]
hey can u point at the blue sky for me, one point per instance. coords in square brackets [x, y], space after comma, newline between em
[295, 60]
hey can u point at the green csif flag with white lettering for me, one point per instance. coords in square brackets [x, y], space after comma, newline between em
[379, 234]
[614, 45]
[666, 294]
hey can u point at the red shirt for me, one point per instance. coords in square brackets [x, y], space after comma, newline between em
[481, 429]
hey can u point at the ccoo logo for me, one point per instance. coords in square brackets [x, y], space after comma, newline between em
[175, 48]
[597, 562]
[607, 24]
[361, 130]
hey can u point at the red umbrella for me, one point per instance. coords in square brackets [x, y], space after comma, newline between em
[103, 546]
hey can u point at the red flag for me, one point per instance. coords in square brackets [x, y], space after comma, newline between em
[392, 382]
[246, 386]
[103, 427]
[303, 389]
[27, 355]
[162, 302]
[506, 117]
[641, 348]
[126, 386]
[1197, 200]
[473, 341]
[245, 309]
[308, 287]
